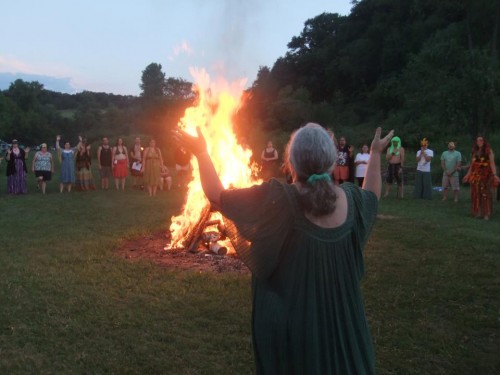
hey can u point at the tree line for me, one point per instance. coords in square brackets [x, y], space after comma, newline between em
[427, 68]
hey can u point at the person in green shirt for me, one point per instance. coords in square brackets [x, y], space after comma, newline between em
[451, 161]
[304, 243]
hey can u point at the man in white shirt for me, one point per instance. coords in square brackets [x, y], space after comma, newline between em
[423, 180]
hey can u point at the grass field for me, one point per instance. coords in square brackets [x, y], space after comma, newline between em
[70, 305]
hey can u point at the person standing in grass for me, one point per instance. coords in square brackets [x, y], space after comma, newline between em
[341, 173]
[423, 179]
[136, 164]
[105, 162]
[395, 157]
[120, 164]
[84, 179]
[16, 169]
[304, 244]
[482, 176]
[67, 159]
[451, 161]
[269, 160]
[360, 163]
[152, 164]
[43, 167]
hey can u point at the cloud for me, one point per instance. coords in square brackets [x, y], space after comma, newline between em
[49, 83]
[53, 76]
[11, 64]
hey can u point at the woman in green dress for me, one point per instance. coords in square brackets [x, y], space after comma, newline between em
[304, 245]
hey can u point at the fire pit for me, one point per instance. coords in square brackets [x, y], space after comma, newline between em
[197, 228]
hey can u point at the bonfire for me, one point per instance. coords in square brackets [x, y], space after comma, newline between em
[198, 226]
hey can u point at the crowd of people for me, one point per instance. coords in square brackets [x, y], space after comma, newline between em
[148, 171]
[145, 165]
[481, 175]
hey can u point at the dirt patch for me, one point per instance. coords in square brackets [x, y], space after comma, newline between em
[153, 248]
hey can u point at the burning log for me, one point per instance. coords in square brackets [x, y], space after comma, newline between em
[192, 239]
[210, 241]
[197, 235]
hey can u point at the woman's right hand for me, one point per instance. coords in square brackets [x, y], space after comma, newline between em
[197, 145]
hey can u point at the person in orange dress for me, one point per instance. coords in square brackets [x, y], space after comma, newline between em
[482, 176]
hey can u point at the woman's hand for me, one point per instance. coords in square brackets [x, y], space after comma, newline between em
[378, 144]
[197, 145]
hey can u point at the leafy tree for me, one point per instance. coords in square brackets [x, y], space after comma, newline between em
[25, 94]
[153, 82]
[8, 110]
[178, 89]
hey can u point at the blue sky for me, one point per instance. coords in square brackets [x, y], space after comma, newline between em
[104, 45]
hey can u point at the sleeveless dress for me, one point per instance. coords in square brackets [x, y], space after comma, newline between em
[481, 183]
[268, 167]
[16, 174]
[67, 167]
[152, 167]
[84, 179]
[308, 314]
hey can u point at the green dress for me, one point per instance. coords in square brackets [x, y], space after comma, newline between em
[308, 314]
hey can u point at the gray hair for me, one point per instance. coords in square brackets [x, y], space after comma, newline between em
[311, 151]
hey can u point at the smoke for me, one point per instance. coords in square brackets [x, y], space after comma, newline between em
[237, 20]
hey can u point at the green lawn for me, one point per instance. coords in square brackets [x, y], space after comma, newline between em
[70, 305]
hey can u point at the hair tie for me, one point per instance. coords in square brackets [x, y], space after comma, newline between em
[317, 177]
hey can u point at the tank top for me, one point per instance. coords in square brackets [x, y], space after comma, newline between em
[106, 156]
[269, 154]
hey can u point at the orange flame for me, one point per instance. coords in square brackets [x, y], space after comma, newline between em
[217, 103]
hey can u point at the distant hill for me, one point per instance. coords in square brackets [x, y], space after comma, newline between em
[50, 83]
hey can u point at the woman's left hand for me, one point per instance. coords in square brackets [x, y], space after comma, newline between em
[379, 144]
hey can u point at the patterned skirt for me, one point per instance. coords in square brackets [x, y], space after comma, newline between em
[84, 180]
[16, 183]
